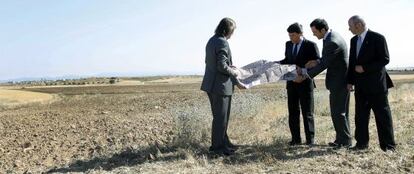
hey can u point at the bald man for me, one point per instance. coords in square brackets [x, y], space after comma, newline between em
[367, 60]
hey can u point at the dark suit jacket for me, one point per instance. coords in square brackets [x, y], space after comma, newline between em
[219, 78]
[308, 51]
[373, 56]
[335, 60]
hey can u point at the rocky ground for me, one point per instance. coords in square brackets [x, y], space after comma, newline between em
[165, 128]
[87, 128]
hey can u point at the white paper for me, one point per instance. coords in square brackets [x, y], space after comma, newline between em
[263, 71]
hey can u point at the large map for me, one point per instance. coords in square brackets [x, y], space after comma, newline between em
[263, 71]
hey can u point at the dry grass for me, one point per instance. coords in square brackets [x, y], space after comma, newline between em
[175, 80]
[10, 97]
[165, 128]
[264, 135]
[129, 82]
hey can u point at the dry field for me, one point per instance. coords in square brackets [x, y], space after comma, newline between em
[161, 126]
[13, 97]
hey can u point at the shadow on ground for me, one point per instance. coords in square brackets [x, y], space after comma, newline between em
[246, 154]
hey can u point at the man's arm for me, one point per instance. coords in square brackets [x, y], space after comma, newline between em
[331, 49]
[350, 77]
[315, 57]
[222, 59]
[381, 55]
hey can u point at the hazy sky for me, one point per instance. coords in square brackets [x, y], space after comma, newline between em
[40, 38]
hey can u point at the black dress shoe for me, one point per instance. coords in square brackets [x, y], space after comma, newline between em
[333, 144]
[294, 143]
[340, 146]
[232, 146]
[392, 149]
[310, 143]
[359, 147]
[224, 151]
[211, 149]
[221, 151]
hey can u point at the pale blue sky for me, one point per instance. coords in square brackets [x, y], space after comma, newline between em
[46, 38]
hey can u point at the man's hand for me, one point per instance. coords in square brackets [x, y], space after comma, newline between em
[299, 79]
[241, 86]
[350, 87]
[311, 64]
[359, 69]
[234, 71]
[298, 70]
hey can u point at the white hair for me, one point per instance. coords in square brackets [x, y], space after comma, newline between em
[357, 19]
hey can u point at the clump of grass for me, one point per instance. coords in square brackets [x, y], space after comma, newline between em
[192, 123]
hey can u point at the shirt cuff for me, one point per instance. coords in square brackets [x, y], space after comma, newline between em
[305, 72]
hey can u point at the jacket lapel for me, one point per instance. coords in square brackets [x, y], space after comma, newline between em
[328, 38]
[290, 52]
[300, 48]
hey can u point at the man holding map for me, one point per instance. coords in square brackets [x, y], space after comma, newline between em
[335, 61]
[300, 95]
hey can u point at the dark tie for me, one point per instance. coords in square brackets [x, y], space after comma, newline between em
[295, 50]
[359, 44]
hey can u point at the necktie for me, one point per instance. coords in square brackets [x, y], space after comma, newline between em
[359, 44]
[295, 50]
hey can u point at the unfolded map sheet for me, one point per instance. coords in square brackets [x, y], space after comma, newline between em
[263, 71]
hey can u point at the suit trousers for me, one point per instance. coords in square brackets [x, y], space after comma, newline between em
[378, 102]
[299, 98]
[220, 107]
[339, 105]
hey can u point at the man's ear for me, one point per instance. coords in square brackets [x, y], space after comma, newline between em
[359, 24]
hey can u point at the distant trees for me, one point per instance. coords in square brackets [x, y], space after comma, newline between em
[113, 80]
[82, 81]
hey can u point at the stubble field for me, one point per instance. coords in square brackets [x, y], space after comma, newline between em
[164, 127]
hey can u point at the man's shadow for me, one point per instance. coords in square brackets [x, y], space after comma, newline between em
[128, 157]
[279, 150]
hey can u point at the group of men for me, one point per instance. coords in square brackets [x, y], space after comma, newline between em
[362, 71]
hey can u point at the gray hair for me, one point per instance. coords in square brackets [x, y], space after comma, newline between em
[357, 19]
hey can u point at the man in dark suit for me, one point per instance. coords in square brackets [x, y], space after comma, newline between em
[298, 52]
[335, 60]
[368, 57]
[219, 80]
